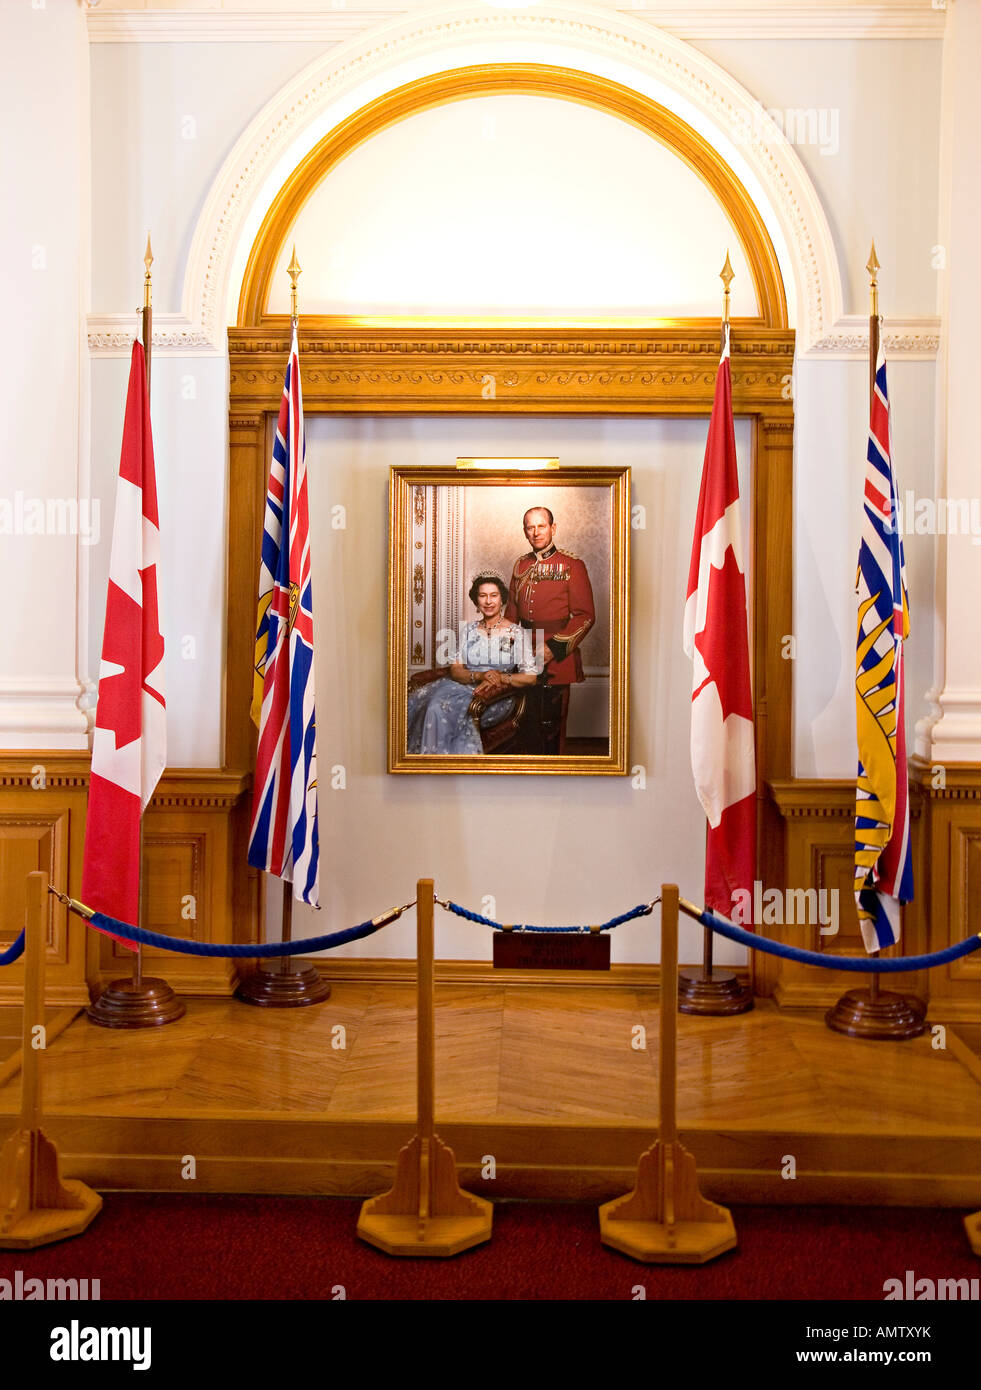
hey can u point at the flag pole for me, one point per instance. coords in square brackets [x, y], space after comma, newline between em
[287, 987]
[870, 1013]
[147, 311]
[139, 1002]
[146, 318]
[703, 989]
[872, 266]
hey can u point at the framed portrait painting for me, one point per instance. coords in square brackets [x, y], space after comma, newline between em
[508, 618]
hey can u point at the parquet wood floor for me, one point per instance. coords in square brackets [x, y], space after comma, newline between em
[548, 1080]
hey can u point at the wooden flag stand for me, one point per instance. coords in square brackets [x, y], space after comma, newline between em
[665, 1219]
[285, 986]
[879, 1015]
[37, 1206]
[426, 1212]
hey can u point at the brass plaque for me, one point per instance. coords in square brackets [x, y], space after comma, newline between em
[551, 951]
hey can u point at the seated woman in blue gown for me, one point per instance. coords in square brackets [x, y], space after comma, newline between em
[494, 653]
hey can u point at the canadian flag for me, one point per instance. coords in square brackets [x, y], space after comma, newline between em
[723, 757]
[129, 750]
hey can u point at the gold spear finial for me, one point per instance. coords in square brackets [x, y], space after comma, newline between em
[294, 269]
[727, 275]
[148, 262]
[873, 267]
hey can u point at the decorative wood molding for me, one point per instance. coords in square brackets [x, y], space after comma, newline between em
[60, 769]
[945, 827]
[179, 786]
[961, 781]
[602, 370]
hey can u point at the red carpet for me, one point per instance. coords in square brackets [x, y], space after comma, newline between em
[146, 1246]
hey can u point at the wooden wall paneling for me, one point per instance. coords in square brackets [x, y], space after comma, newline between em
[954, 883]
[42, 825]
[192, 879]
[193, 843]
[820, 850]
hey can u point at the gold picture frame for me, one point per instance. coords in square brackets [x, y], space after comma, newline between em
[452, 526]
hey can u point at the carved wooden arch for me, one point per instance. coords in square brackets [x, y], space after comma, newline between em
[418, 366]
[536, 79]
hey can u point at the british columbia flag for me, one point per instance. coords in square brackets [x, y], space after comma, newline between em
[883, 857]
[284, 838]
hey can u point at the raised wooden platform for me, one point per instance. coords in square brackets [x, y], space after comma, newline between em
[544, 1080]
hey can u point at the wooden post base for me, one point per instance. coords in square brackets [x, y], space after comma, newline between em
[126, 1004]
[712, 993]
[37, 1206]
[665, 1219]
[972, 1224]
[882, 1017]
[286, 989]
[426, 1212]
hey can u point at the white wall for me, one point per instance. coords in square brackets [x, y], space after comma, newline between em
[43, 234]
[877, 178]
[513, 205]
[548, 849]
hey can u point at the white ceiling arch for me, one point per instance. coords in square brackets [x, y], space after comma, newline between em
[452, 35]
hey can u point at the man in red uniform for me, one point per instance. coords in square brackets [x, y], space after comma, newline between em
[550, 593]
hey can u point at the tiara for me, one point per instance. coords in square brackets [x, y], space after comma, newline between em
[488, 575]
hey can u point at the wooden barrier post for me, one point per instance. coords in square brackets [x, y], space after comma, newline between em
[665, 1219]
[37, 1206]
[426, 1212]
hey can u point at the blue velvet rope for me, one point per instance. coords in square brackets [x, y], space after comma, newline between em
[247, 950]
[641, 911]
[13, 952]
[870, 965]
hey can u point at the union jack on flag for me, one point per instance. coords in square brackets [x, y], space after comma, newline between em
[284, 839]
[883, 859]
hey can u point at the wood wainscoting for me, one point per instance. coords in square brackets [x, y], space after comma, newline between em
[196, 881]
[818, 852]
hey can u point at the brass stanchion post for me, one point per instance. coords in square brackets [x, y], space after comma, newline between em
[665, 1219]
[426, 1212]
[37, 1206]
